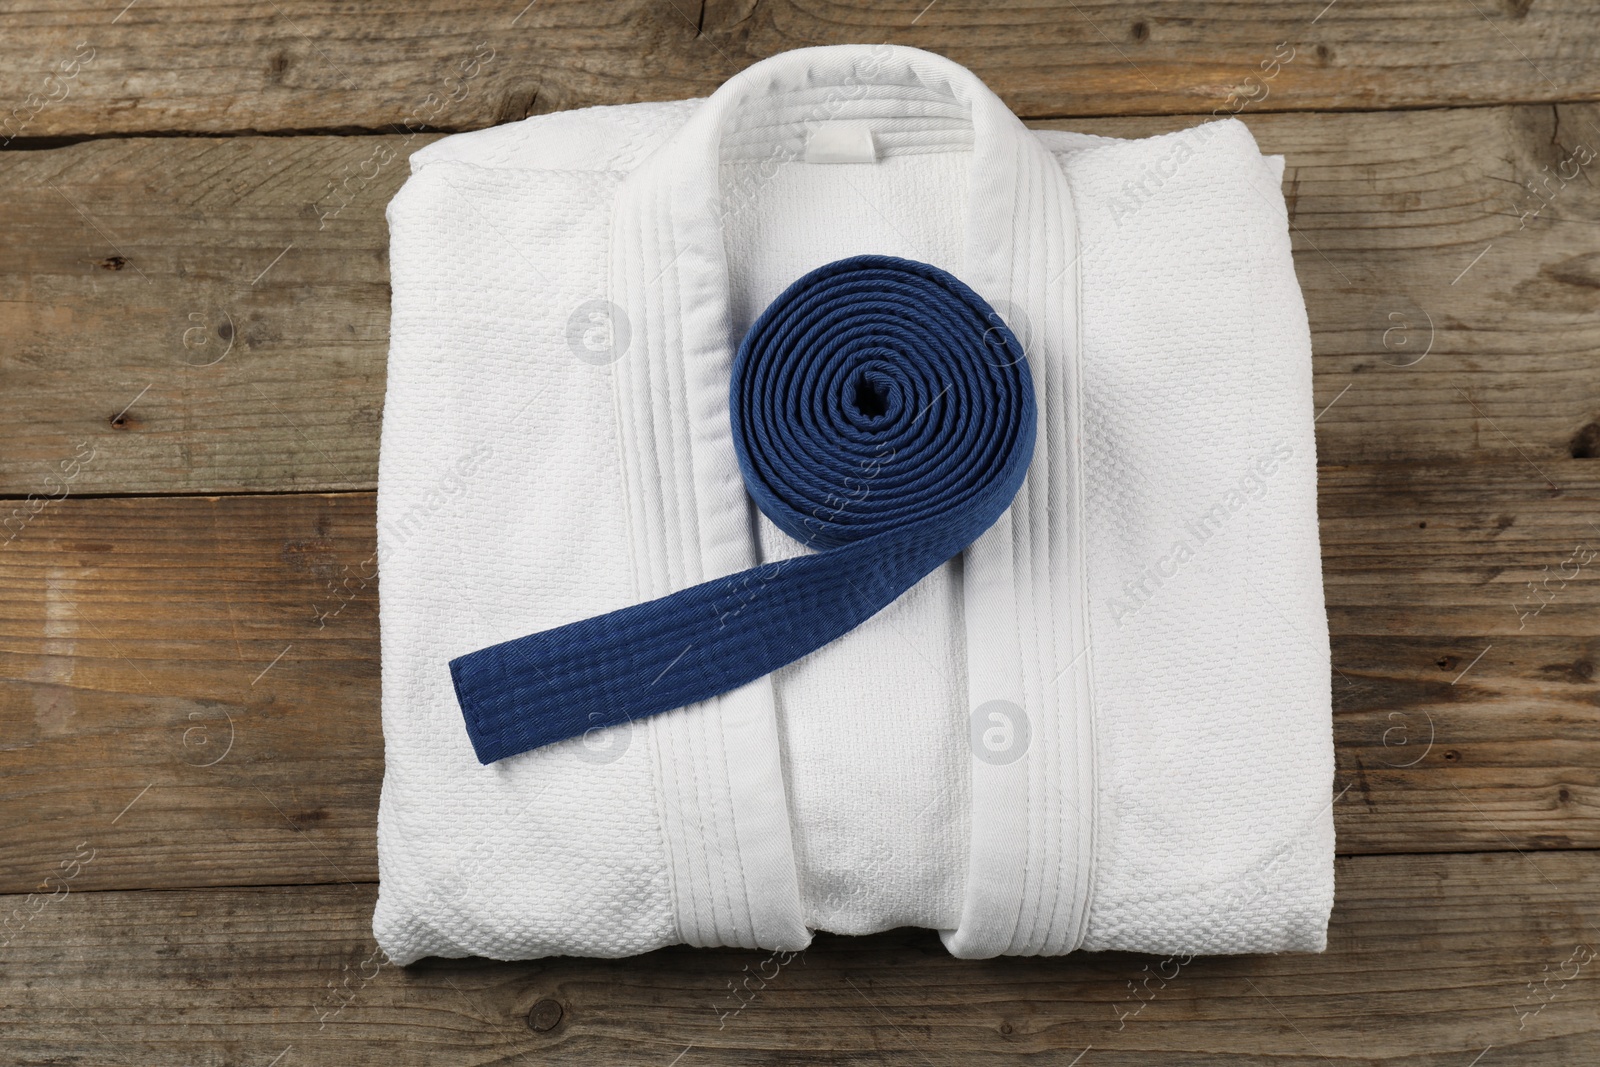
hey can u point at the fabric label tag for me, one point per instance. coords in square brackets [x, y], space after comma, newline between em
[841, 142]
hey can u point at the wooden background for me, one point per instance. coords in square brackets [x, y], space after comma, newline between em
[193, 316]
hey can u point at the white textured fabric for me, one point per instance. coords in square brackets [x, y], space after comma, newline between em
[1106, 725]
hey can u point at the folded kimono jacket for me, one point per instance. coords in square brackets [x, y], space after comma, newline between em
[1104, 725]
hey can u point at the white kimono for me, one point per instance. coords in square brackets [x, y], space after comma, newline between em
[1105, 725]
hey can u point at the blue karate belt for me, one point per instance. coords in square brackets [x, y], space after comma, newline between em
[883, 415]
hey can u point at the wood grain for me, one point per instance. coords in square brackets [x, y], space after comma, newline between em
[187, 309]
[200, 290]
[211, 662]
[306, 65]
[214, 663]
[1431, 960]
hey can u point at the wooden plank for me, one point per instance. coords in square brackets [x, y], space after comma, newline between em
[185, 308]
[302, 65]
[1463, 615]
[1431, 960]
[211, 662]
[206, 282]
[214, 663]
